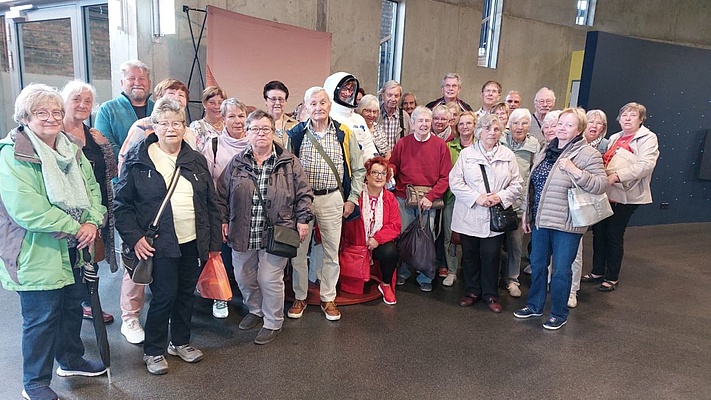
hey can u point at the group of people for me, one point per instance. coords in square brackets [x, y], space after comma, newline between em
[345, 162]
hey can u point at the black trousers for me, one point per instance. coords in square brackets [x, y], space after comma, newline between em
[480, 264]
[386, 254]
[608, 241]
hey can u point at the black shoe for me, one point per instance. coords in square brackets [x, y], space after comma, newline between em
[266, 335]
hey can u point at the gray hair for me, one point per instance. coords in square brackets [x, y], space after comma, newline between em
[33, 95]
[310, 92]
[231, 102]
[389, 85]
[441, 108]
[367, 101]
[256, 115]
[166, 105]
[484, 123]
[420, 110]
[73, 88]
[519, 114]
[452, 75]
[127, 65]
[541, 91]
[552, 116]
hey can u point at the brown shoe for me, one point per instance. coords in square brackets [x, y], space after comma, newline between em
[329, 308]
[493, 305]
[468, 299]
[297, 309]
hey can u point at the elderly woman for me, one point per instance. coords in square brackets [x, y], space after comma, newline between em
[454, 110]
[212, 124]
[188, 230]
[629, 162]
[219, 152]
[565, 160]
[79, 101]
[420, 159]
[276, 96]
[378, 225]
[282, 185]
[481, 247]
[502, 111]
[440, 123]
[50, 209]
[549, 126]
[465, 127]
[524, 147]
[369, 108]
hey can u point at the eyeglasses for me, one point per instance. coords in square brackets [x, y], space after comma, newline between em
[165, 125]
[44, 115]
[376, 174]
[545, 101]
[265, 130]
[276, 99]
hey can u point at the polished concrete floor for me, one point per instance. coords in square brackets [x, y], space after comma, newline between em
[650, 339]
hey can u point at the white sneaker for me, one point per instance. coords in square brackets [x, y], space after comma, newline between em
[513, 289]
[220, 309]
[573, 300]
[133, 331]
[449, 280]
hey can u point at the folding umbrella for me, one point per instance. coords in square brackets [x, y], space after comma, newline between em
[91, 279]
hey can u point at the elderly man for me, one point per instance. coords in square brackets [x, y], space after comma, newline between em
[490, 95]
[420, 159]
[451, 86]
[542, 103]
[333, 164]
[391, 118]
[408, 103]
[513, 99]
[116, 116]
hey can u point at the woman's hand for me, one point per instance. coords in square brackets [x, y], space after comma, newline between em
[564, 164]
[525, 226]
[214, 254]
[143, 249]
[303, 230]
[483, 200]
[86, 235]
[98, 137]
[493, 199]
[612, 179]
[225, 231]
[372, 244]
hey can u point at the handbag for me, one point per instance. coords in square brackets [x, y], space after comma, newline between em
[413, 195]
[99, 249]
[416, 246]
[586, 208]
[355, 262]
[500, 219]
[141, 271]
[213, 282]
[281, 241]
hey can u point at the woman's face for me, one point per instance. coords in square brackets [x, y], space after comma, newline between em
[465, 127]
[46, 122]
[170, 129]
[212, 107]
[548, 129]
[519, 129]
[275, 102]
[234, 122]
[567, 128]
[440, 122]
[179, 96]
[79, 106]
[595, 128]
[630, 121]
[370, 114]
[377, 176]
[503, 115]
[490, 136]
[260, 134]
[455, 115]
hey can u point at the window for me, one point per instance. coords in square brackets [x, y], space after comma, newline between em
[586, 12]
[490, 32]
[390, 41]
[4, 66]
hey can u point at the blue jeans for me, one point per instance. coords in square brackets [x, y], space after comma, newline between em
[563, 246]
[407, 215]
[51, 328]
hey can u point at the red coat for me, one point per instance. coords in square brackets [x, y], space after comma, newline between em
[354, 232]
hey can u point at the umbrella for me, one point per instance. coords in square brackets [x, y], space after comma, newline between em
[91, 279]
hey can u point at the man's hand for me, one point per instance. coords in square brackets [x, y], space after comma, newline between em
[348, 208]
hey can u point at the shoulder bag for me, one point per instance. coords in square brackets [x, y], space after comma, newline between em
[586, 208]
[141, 271]
[413, 195]
[501, 219]
[281, 240]
[416, 246]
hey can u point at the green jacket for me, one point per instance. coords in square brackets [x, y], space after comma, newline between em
[33, 252]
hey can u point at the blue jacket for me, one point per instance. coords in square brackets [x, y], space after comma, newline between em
[115, 118]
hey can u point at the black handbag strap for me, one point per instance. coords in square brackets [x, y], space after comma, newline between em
[402, 124]
[326, 158]
[486, 180]
[261, 200]
[153, 228]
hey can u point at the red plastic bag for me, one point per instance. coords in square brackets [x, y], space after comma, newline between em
[213, 282]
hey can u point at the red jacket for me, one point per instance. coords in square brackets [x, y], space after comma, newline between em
[354, 232]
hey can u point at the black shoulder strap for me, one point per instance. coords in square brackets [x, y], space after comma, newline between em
[326, 158]
[402, 125]
[261, 200]
[486, 180]
[214, 149]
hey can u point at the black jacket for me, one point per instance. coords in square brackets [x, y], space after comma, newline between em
[141, 189]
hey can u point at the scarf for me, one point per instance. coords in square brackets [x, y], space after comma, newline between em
[371, 222]
[553, 152]
[61, 173]
[597, 141]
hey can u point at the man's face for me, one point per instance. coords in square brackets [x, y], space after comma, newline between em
[391, 98]
[544, 103]
[450, 89]
[408, 103]
[513, 100]
[319, 106]
[490, 95]
[135, 84]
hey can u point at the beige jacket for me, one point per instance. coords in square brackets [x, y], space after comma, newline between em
[633, 169]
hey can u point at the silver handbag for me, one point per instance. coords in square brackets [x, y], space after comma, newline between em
[586, 208]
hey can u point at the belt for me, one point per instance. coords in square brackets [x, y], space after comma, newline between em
[322, 192]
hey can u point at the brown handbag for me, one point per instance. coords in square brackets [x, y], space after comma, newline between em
[413, 195]
[99, 249]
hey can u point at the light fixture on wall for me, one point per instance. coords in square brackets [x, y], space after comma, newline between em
[163, 17]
